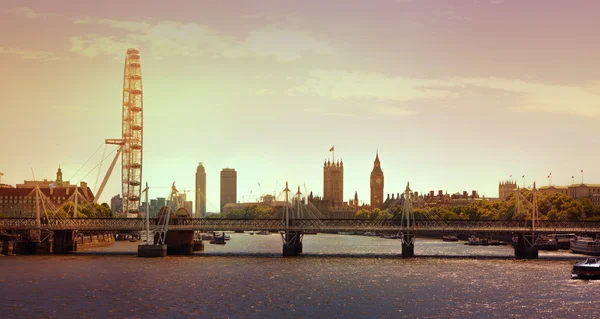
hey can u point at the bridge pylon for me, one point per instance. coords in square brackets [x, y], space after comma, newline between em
[292, 239]
[407, 226]
[525, 247]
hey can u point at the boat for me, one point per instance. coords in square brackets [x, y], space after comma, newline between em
[206, 237]
[309, 232]
[218, 240]
[562, 240]
[474, 241]
[546, 243]
[494, 242]
[346, 233]
[585, 245]
[450, 238]
[588, 269]
[370, 234]
[263, 232]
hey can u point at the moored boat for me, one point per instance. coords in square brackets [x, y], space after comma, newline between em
[585, 245]
[474, 241]
[588, 269]
[450, 238]
[546, 243]
[218, 239]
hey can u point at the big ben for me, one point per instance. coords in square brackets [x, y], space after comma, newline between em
[376, 184]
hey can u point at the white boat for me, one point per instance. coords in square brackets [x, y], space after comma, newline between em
[588, 269]
[263, 232]
[346, 233]
[585, 245]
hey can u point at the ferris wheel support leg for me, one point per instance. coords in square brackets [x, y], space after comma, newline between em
[110, 169]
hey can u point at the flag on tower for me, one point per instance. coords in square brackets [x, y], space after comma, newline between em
[573, 176]
[510, 175]
[523, 176]
[331, 149]
[582, 171]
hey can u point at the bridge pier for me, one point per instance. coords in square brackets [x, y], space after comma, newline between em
[63, 242]
[525, 249]
[408, 245]
[292, 243]
[179, 242]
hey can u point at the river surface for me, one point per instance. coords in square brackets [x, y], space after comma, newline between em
[339, 276]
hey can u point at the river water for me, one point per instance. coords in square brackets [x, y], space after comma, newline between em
[339, 276]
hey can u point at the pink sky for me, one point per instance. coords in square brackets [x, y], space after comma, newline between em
[456, 95]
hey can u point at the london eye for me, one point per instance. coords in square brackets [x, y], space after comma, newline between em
[132, 133]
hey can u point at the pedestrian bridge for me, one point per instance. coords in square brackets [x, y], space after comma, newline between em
[299, 225]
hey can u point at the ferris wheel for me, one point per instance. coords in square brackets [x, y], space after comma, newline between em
[132, 136]
[132, 133]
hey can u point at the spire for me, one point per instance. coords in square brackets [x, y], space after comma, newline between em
[408, 186]
[377, 163]
[356, 196]
[59, 175]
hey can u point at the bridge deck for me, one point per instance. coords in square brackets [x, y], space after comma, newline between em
[274, 225]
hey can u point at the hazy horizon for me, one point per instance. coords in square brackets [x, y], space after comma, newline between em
[455, 96]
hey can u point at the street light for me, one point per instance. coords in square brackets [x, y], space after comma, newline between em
[1, 174]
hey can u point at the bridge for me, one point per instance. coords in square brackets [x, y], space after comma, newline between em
[299, 225]
[174, 232]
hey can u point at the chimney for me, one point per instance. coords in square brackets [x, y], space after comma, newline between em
[51, 191]
[84, 190]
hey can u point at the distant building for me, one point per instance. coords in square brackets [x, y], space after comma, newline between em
[188, 206]
[116, 205]
[554, 190]
[21, 201]
[333, 183]
[200, 191]
[376, 184]
[581, 191]
[228, 187]
[505, 188]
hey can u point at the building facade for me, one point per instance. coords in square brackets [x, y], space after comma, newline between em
[228, 187]
[554, 190]
[505, 188]
[116, 205]
[200, 191]
[333, 183]
[377, 183]
[21, 201]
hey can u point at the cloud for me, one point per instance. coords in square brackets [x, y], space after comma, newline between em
[171, 39]
[27, 13]
[386, 92]
[93, 45]
[285, 45]
[125, 25]
[364, 85]
[546, 98]
[30, 54]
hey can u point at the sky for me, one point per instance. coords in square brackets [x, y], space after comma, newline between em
[455, 95]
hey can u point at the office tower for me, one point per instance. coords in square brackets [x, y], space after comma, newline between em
[228, 186]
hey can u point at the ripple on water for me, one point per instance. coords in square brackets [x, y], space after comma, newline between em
[226, 282]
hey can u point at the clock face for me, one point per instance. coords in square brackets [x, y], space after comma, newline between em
[378, 181]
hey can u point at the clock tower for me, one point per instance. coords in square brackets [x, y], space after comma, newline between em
[376, 184]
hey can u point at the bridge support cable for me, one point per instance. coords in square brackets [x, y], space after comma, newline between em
[525, 245]
[298, 218]
[407, 226]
